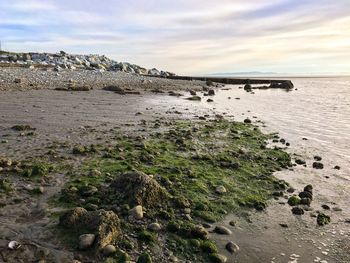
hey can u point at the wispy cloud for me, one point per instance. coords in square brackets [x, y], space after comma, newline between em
[188, 36]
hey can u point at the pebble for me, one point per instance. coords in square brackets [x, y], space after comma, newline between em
[86, 241]
[232, 247]
[220, 189]
[137, 212]
[154, 227]
[222, 230]
[109, 250]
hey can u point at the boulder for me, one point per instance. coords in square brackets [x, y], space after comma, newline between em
[109, 250]
[104, 224]
[138, 188]
[115, 88]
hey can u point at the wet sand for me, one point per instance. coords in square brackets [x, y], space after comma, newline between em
[88, 116]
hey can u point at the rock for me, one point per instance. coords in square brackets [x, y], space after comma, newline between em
[138, 188]
[89, 190]
[194, 98]
[104, 224]
[193, 93]
[5, 162]
[210, 100]
[155, 227]
[290, 190]
[326, 207]
[18, 80]
[247, 120]
[232, 223]
[247, 87]
[300, 162]
[73, 217]
[308, 188]
[297, 211]
[220, 189]
[199, 232]
[144, 258]
[222, 230]
[211, 92]
[294, 200]
[323, 219]
[232, 247]
[116, 89]
[317, 165]
[40, 189]
[317, 158]
[305, 201]
[217, 258]
[109, 250]
[305, 194]
[86, 241]
[136, 212]
[337, 167]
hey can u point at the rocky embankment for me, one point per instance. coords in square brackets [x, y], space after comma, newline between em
[62, 60]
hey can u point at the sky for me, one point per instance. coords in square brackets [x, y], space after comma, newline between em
[189, 37]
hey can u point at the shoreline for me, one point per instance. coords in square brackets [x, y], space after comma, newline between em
[89, 133]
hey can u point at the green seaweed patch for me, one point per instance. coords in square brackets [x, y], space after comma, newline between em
[190, 160]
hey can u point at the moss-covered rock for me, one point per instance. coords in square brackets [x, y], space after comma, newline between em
[294, 200]
[323, 219]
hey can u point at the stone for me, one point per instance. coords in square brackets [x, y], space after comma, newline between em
[297, 211]
[5, 162]
[144, 258]
[247, 87]
[155, 227]
[337, 167]
[305, 201]
[199, 232]
[317, 158]
[300, 162]
[220, 189]
[138, 188]
[305, 194]
[86, 241]
[104, 224]
[323, 219]
[317, 165]
[308, 188]
[326, 207]
[222, 230]
[232, 247]
[294, 200]
[247, 120]
[136, 212]
[217, 258]
[109, 250]
[211, 92]
[73, 217]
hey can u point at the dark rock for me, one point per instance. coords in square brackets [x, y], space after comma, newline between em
[294, 200]
[305, 201]
[317, 158]
[323, 219]
[325, 207]
[317, 165]
[297, 211]
[305, 194]
[211, 92]
[337, 167]
[300, 162]
[116, 89]
[284, 225]
[247, 120]
[210, 100]
[308, 188]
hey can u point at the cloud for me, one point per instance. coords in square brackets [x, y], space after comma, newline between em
[188, 37]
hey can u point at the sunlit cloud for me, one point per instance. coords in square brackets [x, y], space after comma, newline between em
[188, 37]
